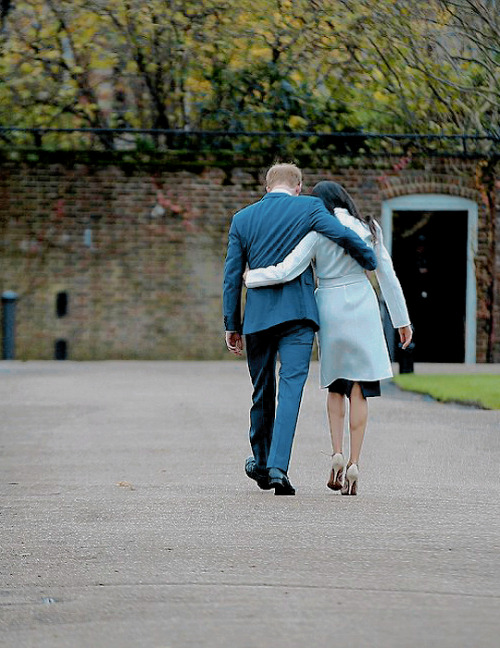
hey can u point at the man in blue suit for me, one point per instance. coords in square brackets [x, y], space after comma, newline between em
[279, 320]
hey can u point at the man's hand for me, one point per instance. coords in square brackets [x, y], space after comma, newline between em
[234, 342]
[405, 335]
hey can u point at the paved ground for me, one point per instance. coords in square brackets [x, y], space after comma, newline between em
[127, 520]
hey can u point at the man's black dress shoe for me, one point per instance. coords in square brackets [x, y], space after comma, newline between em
[280, 482]
[257, 474]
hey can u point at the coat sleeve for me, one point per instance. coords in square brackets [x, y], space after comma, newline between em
[389, 285]
[290, 268]
[233, 280]
[323, 222]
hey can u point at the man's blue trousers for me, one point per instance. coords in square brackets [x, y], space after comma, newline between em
[273, 421]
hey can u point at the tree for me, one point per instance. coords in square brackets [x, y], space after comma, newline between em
[321, 65]
[54, 63]
[432, 65]
[170, 64]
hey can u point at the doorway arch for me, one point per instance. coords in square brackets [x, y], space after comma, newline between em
[444, 203]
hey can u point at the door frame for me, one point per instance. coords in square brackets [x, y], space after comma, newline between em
[436, 203]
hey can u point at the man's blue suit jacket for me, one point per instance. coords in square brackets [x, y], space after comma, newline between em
[263, 234]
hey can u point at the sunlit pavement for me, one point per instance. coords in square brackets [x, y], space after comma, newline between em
[127, 519]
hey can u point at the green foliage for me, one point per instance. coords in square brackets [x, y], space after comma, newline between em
[477, 389]
[330, 65]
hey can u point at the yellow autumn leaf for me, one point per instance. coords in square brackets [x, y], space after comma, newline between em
[51, 55]
[297, 123]
[379, 96]
[26, 68]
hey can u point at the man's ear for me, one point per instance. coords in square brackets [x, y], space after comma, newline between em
[298, 188]
[268, 188]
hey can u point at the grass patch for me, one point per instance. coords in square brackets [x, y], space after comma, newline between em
[481, 390]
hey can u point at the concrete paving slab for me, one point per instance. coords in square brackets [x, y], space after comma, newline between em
[127, 519]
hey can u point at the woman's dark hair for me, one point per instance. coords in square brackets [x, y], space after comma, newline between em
[334, 195]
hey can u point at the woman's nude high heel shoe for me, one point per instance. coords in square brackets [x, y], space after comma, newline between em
[336, 480]
[350, 486]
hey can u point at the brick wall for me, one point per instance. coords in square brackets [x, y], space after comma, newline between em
[139, 247]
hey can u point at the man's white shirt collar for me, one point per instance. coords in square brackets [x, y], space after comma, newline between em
[290, 193]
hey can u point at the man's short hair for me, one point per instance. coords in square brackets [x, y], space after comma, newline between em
[283, 174]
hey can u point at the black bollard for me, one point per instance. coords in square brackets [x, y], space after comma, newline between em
[405, 358]
[8, 324]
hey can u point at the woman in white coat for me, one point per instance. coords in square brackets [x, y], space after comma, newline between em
[353, 351]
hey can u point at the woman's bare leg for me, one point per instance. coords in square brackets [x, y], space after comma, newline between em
[358, 417]
[335, 406]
